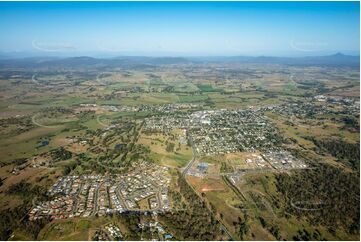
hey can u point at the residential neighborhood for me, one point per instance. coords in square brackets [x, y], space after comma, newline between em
[87, 195]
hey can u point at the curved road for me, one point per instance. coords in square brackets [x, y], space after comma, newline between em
[308, 203]
[34, 80]
[101, 123]
[41, 125]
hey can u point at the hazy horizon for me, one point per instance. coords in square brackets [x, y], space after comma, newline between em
[25, 55]
[109, 29]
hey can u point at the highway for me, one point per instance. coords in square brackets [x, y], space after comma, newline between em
[189, 165]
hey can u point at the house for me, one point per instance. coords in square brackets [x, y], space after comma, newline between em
[168, 236]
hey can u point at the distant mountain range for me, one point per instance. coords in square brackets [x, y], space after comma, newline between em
[335, 60]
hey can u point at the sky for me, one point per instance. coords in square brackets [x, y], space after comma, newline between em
[180, 28]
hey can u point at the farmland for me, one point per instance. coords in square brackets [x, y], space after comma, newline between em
[125, 149]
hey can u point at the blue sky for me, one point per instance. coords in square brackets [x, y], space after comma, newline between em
[180, 28]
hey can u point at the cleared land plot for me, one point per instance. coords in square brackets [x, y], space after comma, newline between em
[24, 145]
[175, 158]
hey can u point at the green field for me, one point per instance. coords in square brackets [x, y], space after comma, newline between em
[47, 131]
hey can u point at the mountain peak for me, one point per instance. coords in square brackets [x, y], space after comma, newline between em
[338, 54]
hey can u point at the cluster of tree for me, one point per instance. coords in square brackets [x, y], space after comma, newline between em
[326, 195]
[139, 152]
[95, 166]
[269, 95]
[26, 191]
[272, 228]
[177, 199]
[17, 218]
[69, 167]
[125, 132]
[351, 123]
[111, 162]
[17, 162]
[23, 124]
[100, 235]
[23, 121]
[194, 223]
[305, 235]
[313, 86]
[131, 221]
[54, 111]
[209, 102]
[345, 152]
[20, 189]
[242, 226]
[225, 167]
[60, 154]
[12, 219]
[170, 147]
